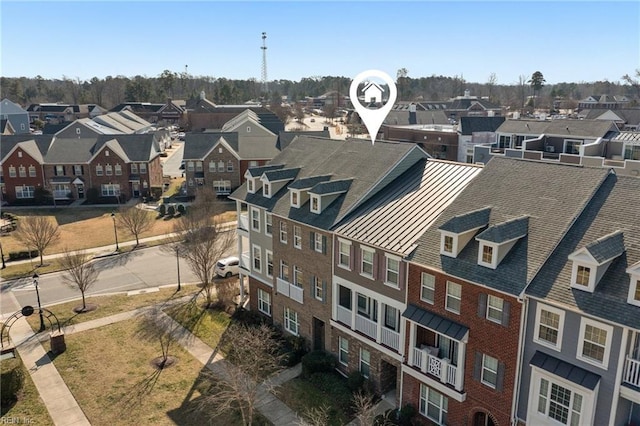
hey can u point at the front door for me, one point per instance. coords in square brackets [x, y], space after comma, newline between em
[318, 334]
[482, 419]
[136, 190]
[80, 192]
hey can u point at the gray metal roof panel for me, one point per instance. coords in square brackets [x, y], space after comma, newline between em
[505, 231]
[512, 188]
[563, 369]
[467, 221]
[399, 214]
[435, 322]
[607, 247]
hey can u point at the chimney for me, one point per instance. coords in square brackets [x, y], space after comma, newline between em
[467, 93]
[413, 119]
[202, 94]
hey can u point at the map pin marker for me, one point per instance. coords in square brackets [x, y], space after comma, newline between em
[373, 92]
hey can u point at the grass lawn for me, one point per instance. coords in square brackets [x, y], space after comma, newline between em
[29, 407]
[108, 371]
[206, 324]
[321, 390]
[109, 305]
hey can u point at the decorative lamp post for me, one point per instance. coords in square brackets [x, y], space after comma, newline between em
[35, 283]
[115, 230]
[178, 265]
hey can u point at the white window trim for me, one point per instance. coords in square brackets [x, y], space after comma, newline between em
[446, 299]
[607, 349]
[283, 231]
[288, 322]
[388, 256]
[261, 301]
[266, 189]
[253, 257]
[268, 219]
[426, 399]
[348, 243]
[422, 274]
[373, 261]
[634, 282]
[362, 361]
[297, 237]
[319, 204]
[317, 284]
[257, 229]
[340, 340]
[539, 308]
[494, 255]
[454, 248]
[251, 186]
[483, 368]
[593, 271]
[317, 242]
[297, 194]
[268, 253]
[498, 320]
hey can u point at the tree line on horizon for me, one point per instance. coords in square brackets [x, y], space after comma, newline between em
[111, 91]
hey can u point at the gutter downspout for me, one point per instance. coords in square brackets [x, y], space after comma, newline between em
[523, 328]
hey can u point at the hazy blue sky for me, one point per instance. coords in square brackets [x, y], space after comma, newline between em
[566, 41]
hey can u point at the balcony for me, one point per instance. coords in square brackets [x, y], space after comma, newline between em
[631, 374]
[366, 326]
[290, 290]
[344, 315]
[426, 361]
[243, 221]
[245, 261]
[388, 337]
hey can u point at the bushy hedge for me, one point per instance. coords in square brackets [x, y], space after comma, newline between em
[317, 362]
[402, 417]
[12, 382]
[294, 347]
[18, 255]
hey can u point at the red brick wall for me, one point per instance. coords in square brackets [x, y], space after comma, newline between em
[16, 161]
[244, 165]
[122, 180]
[483, 338]
[254, 285]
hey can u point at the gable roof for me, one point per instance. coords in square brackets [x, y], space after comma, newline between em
[308, 183]
[513, 188]
[471, 125]
[198, 145]
[467, 221]
[568, 128]
[281, 174]
[285, 137]
[9, 142]
[607, 247]
[258, 171]
[368, 165]
[505, 231]
[331, 187]
[71, 150]
[396, 217]
[136, 147]
[9, 108]
[612, 210]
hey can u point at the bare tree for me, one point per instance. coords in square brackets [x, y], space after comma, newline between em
[203, 239]
[364, 408]
[316, 416]
[135, 220]
[37, 232]
[633, 80]
[252, 355]
[491, 82]
[80, 272]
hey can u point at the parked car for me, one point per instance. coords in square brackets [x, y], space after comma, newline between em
[227, 267]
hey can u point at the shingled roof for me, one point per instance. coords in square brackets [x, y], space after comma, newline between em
[505, 231]
[552, 195]
[467, 221]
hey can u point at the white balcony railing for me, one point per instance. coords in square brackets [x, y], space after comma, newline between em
[632, 372]
[243, 221]
[390, 338]
[290, 290]
[366, 326]
[245, 262]
[344, 315]
[283, 287]
[61, 194]
[438, 367]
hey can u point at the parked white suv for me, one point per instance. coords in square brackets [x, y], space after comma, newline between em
[227, 267]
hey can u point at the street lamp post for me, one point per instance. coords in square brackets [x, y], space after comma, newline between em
[115, 230]
[35, 283]
[178, 265]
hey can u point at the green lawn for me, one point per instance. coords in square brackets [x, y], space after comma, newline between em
[206, 324]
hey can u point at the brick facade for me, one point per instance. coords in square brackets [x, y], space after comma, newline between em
[212, 172]
[312, 263]
[20, 158]
[483, 337]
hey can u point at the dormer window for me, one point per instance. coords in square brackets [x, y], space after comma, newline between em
[592, 261]
[634, 285]
[295, 199]
[459, 230]
[266, 188]
[447, 243]
[251, 186]
[487, 254]
[315, 204]
[496, 241]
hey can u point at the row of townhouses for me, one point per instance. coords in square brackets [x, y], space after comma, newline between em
[500, 294]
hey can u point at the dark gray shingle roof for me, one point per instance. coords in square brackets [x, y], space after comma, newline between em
[551, 194]
[471, 125]
[309, 182]
[258, 171]
[467, 221]
[281, 174]
[331, 187]
[197, 145]
[607, 247]
[505, 231]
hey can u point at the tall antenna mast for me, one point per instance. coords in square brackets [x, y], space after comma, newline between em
[265, 85]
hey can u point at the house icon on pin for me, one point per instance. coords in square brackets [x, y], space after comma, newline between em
[372, 93]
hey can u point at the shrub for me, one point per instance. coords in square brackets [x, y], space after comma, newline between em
[171, 210]
[12, 382]
[181, 209]
[317, 362]
[162, 210]
[355, 381]
[249, 317]
[295, 347]
[18, 255]
[93, 194]
[401, 417]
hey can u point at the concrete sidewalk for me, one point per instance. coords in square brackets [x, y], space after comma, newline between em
[64, 409]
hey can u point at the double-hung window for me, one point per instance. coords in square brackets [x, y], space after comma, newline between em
[454, 297]
[255, 219]
[595, 342]
[433, 405]
[344, 254]
[367, 262]
[257, 258]
[392, 274]
[291, 323]
[494, 308]
[297, 237]
[344, 351]
[549, 325]
[428, 288]
[283, 233]
[559, 403]
[264, 302]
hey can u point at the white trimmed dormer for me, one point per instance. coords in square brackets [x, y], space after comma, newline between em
[274, 180]
[299, 190]
[456, 233]
[496, 241]
[253, 175]
[592, 261]
[634, 284]
[325, 193]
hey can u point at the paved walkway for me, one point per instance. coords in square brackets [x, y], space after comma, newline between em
[61, 404]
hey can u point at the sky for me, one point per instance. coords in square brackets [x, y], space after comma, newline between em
[569, 41]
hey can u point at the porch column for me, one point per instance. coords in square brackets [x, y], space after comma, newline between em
[379, 322]
[460, 368]
[412, 340]
[354, 309]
